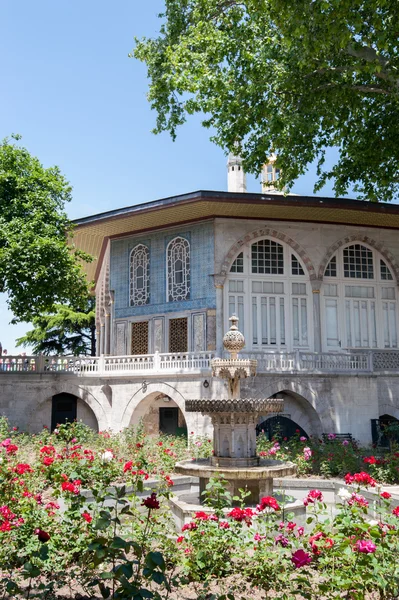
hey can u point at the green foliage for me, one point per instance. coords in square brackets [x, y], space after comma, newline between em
[216, 495]
[37, 266]
[290, 77]
[64, 331]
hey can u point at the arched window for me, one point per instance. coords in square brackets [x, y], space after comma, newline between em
[139, 275]
[268, 289]
[359, 300]
[178, 270]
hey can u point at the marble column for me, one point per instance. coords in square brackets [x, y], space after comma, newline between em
[218, 280]
[316, 288]
[102, 338]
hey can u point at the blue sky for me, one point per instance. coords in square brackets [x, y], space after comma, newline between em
[79, 102]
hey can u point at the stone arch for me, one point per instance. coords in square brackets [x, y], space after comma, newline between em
[310, 410]
[148, 411]
[156, 389]
[267, 232]
[359, 237]
[82, 394]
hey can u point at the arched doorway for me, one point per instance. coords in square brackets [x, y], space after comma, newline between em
[63, 409]
[280, 427]
[66, 408]
[160, 414]
[378, 426]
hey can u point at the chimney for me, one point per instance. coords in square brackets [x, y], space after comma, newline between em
[236, 178]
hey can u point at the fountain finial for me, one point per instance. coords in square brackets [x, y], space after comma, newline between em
[233, 340]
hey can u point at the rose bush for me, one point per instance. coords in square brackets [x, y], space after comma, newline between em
[123, 544]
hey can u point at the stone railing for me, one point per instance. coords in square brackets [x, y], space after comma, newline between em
[375, 361]
[173, 363]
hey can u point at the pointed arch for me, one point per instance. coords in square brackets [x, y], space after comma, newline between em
[267, 232]
[379, 246]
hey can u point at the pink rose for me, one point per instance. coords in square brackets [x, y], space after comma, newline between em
[365, 546]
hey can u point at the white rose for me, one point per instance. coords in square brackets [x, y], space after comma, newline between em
[106, 456]
[344, 494]
[373, 522]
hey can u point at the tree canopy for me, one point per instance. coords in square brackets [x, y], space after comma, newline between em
[63, 331]
[291, 77]
[38, 267]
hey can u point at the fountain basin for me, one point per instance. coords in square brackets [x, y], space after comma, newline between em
[258, 480]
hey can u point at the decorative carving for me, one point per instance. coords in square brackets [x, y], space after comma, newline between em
[233, 340]
[158, 335]
[240, 405]
[120, 345]
[198, 333]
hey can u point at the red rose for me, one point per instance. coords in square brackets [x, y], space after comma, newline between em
[151, 501]
[42, 535]
[300, 558]
[385, 495]
[268, 502]
[396, 511]
[87, 517]
[11, 449]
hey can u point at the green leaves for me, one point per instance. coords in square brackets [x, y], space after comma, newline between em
[37, 266]
[295, 78]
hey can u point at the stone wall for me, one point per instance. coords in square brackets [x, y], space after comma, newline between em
[318, 403]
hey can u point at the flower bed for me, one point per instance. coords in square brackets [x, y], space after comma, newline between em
[123, 544]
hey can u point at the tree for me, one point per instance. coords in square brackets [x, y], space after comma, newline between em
[290, 77]
[38, 267]
[63, 331]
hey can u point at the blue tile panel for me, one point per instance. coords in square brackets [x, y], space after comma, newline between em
[203, 293]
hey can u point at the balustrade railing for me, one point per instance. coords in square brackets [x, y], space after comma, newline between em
[375, 361]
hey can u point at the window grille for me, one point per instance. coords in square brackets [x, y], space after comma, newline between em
[296, 267]
[358, 262]
[139, 276]
[331, 269]
[178, 335]
[178, 268]
[267, 258]
[385, 272]
[140, 337]
[238, 264]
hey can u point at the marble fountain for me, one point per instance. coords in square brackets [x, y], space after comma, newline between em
[234, 422]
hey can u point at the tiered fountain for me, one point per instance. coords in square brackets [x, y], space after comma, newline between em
[234, 429]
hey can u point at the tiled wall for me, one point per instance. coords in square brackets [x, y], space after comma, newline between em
[201, 238]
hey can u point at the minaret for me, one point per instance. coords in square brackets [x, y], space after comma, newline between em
[270, 173]
[236, 178]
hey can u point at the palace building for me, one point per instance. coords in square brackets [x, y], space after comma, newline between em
[314, 282]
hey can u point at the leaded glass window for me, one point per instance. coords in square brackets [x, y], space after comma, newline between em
[238, 264]
[178, 269]
[358, 262]
[296, 267]
[139, 276]
[385, 272]
[267, 258]
[331, 269]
